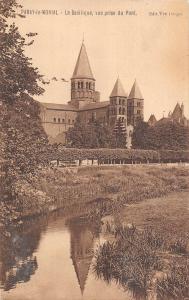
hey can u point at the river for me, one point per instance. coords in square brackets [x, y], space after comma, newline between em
[52, 258]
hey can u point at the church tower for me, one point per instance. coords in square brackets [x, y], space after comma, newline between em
[83, 82]
[135, 105]
[118, 104]
[82, 249]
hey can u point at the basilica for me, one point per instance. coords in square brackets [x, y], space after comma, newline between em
[86, 105]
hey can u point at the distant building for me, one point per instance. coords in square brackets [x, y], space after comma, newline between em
[177, 116]
[152, 120]
[85, 104]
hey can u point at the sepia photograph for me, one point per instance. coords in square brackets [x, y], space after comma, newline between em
[94, 150]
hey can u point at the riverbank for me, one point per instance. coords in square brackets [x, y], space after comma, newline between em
[146, 248]
[107, 188]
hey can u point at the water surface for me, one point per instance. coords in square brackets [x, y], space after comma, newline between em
[52, 258]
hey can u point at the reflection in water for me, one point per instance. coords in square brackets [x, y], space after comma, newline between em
[52, 254]
[17, 260]
[83, 235]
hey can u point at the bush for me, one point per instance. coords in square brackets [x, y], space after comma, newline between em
[126, 155]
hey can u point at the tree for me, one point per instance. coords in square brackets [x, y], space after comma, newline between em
[23, 140]
[164, 135]
[17, 75]
[91, 135]
[120, 134]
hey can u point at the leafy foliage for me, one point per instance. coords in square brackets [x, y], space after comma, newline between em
[23, 141]
[91, 135]
[164, 135]
[17, 74]
[120, 134]
[128, 155]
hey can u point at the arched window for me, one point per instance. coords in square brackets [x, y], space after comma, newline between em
[63, 120]
[55, 120]
[58, 120]
[119, 101]
[87, 85]
[68, 121]
[120, 111]
[78, 85]
[123, 111]
[82, 85]
[73, 121]
[123, 102]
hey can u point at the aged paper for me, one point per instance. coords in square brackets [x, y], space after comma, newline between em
[101, 225]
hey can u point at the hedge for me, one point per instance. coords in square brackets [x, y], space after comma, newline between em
[128, 155]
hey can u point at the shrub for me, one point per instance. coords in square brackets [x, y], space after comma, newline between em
[126, 155]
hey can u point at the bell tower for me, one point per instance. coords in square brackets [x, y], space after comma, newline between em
[118, 104]
[135, 105]
[82, 81]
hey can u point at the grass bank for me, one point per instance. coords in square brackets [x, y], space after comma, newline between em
[106, 189]
[145, 263]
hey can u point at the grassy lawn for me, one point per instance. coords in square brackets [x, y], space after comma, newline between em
[147, 248]
[170, 213]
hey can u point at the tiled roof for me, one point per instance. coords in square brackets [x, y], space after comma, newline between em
[118, 90]
[82, 68]
[95, 105]
[135, 92]
[55, 106]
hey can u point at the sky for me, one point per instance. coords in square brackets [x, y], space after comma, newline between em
[151, 46]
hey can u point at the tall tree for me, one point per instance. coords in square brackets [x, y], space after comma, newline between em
[120, 134]
[17, 75]
[91, 135]
[23, 139]
[164, 135]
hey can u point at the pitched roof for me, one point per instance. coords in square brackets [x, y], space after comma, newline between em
[177, 112]
[118, 90]
[135, 92]
[95, 105]
[152, 119]
[163, 120]
[55, 106]
[82, 68]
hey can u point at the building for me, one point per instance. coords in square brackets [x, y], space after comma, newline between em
[85, 104]
[177, 116]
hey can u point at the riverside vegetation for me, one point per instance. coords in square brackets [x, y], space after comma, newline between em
[107, 188]
[146, 263]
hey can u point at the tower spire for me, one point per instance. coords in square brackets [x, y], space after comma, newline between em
[118, 89]
[82, 81]
[83, 68]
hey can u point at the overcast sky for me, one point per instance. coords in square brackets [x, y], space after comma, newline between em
[152, 49]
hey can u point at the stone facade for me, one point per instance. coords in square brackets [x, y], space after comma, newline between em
[85, 104]
[177, 116]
